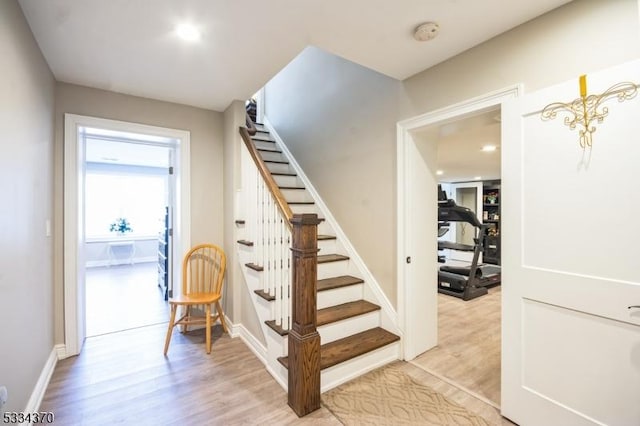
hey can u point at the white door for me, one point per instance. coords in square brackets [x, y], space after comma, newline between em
[571, 345]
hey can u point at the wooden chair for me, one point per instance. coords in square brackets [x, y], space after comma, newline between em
[203, 271]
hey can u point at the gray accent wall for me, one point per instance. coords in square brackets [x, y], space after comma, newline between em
[27, 90]
[206, 128]
[339, 119]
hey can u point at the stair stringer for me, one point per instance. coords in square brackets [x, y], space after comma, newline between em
[276, 345]
[372, 290]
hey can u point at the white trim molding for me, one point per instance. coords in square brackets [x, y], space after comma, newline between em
[33, 405]
[408, 306]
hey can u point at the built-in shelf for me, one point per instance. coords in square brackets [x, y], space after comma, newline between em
[491, 216]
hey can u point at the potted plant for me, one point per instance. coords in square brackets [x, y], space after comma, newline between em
[120, 226]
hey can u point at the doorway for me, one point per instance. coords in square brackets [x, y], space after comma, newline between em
[417, 216]
[128, 193]
[76, 253]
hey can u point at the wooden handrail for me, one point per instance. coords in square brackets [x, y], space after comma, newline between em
[251, 127]
[266, 175]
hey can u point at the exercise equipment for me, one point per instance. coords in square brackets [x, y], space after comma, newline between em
[465, 282]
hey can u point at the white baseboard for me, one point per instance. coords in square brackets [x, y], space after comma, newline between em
[33, 405]
[100, 263]
[61, 351]
[254, 345]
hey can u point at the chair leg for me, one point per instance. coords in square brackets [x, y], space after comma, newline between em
[221, 317]
[172, 321]
[185, 327]
[208, 331]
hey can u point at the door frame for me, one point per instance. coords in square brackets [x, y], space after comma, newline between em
[73, 220]
[417, 303]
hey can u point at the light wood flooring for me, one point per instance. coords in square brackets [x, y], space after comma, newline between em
[123, 378]
[123, 297]
[469, 339]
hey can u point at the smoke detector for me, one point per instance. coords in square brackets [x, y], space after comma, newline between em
[427, 31]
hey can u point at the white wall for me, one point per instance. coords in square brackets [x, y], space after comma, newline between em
[26, 175]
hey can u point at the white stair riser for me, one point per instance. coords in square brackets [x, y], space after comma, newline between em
[265, 144]
[348, 370]
[340, 295]
[303, 208]
[278, 168]
[348, 327]
[272, 156]
[292, 195]
[333, 269]
[287, 180]
[327, 246]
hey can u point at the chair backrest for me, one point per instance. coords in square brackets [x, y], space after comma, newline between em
[203, 269]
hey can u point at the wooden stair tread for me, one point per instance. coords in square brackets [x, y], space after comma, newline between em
[341, 350]
[326, 237]
[284, 173]
[277, 328]
[275, 150]
[298, 203]
[246, 243]
[337, 282]
[261, 138]
[326, 258]
[266, 296]
[254, 267]
[344, 311]
[240, 222]
[276, 161]
[292, 187]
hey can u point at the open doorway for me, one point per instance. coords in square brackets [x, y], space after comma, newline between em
[128, 193]
[418, 304]
[75, 242]
[468, 354]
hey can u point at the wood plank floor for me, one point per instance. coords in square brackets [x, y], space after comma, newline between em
[123, 378]
[468, 351]
[123, 297]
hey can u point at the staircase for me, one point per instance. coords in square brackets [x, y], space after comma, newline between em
[350, 319]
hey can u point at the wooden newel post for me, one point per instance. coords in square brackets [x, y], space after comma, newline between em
[304, 340]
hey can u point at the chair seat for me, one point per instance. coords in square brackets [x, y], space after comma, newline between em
[195, 299]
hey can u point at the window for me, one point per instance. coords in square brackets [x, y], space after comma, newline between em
[132, 194]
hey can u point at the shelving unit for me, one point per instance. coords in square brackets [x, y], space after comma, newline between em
[163, 257]
[491, 217]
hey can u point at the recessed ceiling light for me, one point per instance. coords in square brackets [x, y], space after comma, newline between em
[439, 172]
[188, 32]
[477, 178]
[489, 148]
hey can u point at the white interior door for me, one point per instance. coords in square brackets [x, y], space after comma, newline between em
[571, 345]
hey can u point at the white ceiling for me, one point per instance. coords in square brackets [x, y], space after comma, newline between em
[131, 47]
[460, 142]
